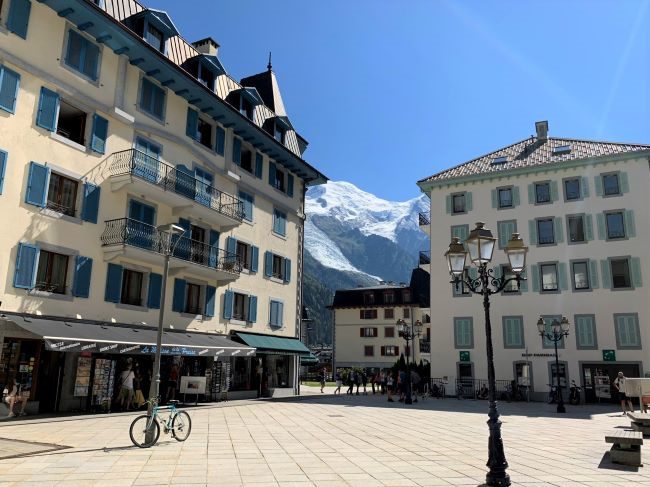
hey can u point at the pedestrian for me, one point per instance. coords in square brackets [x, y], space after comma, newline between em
[364, 382]
[389, 386]
[172, 382]
[357, 380]
[619, 383]
[138, 396]
[401, 385]
[322, 379]
[125, 395]
[372, 379]
[382, 383]
[339, 383]
[350, 382]
[12, 394]
[415, 381]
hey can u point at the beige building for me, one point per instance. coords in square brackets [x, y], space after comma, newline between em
[114, 125]
[365, 318]
[582, 209]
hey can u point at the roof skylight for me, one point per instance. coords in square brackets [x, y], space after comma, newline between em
[500, 160]
[562, 149]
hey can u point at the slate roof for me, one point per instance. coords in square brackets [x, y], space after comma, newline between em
[535, 152]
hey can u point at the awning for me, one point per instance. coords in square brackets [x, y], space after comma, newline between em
[274, 345]
[310, 359]
[79, 336]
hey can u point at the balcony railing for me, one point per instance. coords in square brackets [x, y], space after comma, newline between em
[425, 346]
[424, 219]
[125, 231]
[425, 257]
[154, 171]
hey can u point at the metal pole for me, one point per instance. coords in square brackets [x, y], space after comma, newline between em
[408, 399]
[560, 401]
[497, 476]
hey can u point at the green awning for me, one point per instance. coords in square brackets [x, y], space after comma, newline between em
[271, 344]
[310, 359]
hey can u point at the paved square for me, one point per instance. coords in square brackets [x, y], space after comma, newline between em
[329, 441]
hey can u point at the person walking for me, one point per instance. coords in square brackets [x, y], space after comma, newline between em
[357, 380]
[350, 382]
[364, 382]
[382, 383]
[389, 386]
[339, 383]
[626, 402]
[373, 378]
[125, 397]
[323, 376]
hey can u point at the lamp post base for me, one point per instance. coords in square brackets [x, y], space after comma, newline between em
[502, 479]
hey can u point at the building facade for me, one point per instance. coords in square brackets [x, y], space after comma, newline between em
[581, 207]
[113, 126]
[365, 319]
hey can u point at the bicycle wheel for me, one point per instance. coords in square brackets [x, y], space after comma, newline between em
[181, 426]
[138, 431]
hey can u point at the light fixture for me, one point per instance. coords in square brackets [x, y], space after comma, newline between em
[516, 252]
[541, 325]
[480, 244]
[456, 255]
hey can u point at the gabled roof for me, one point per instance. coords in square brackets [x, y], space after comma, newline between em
[535, 152]
[267, 85]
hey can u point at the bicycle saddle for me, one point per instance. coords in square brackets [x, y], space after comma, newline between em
[173, 401]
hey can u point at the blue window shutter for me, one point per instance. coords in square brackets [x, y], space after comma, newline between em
[18, 18]
[178, 301]
[282, 223]
[268, 264]
[192, 126]
[531, 193]
[228, 299]
[48, 109]
[272, 174]
[214, 238]
[3, 166]
[252, 309]
[287, 270]
[220, 142]
[113, 283]
[255, 256]
[605, 274]
[231, 245]
[280, 313]
[236, 151]
[91, 203]
[37, 183]
[9, 82]
[82, 272]
[26, 266]
[100, 133]
[589, 227]
[155, 291]
[602, 226]
[214, 248]
[290, 185]
[259, 164]
[635, 270]
[210, 297]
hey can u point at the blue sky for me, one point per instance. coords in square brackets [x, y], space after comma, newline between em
[389, 92]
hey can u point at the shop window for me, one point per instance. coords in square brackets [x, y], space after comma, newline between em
[132, 283]
[368, 332]
[52, 272]
[71, 123]
[561, 372]
[19, 362]
[62, 194]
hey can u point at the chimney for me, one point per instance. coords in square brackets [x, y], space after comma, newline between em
[542, 130]
[207, 46]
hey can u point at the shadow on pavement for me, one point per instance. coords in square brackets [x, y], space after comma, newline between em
[606, 463]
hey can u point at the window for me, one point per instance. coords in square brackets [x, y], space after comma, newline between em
[278, 267]
[246, 108]
[620, 273]
[505, 197]
[407, 312]
[368, 351]
[463, 333]
[279, 180]
[390, 351]
[406, 296]
[368, 314]
[193, 299]
[549, 277]
[276, 311]
[389, 297]
[248, 201]
[505, 229]
[62, 194]
[580, 275]
[576, 226]
[132, 287]
[389, 314]
[460, 231]
[82, 55]
[154, 37]
[279, 133]
[543, 192]
[507, 273]
[204, 133]
[52, 272]
[247, 160]
[460, 289]
[562, 372]
[244, 254]
[513, 332]
[611, 184]
[71, 123]
[458, 203]
[615, 225]
[548, 328]
[572, 189]
[585, 331]
[239, 307]
[627, 330]
[152, 99]
[545, 231]
[279, 222]
[368, 332]
[369, 298]
[389, 332]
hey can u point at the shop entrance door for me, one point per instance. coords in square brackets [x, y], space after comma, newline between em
[49, 381]
[598, 379]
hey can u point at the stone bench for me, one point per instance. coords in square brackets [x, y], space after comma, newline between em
[626, 448]
[641, 422]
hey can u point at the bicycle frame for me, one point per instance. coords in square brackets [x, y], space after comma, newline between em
[166, 424]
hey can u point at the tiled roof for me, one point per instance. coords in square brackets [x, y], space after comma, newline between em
[534, 152]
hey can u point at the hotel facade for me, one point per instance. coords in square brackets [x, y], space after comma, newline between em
[581, 207]
[112, 127]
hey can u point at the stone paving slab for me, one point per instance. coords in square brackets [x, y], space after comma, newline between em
[327, 440]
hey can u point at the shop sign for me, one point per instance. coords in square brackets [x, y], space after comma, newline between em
[464, 356]
[540, 355]
[118, 348]
[609, 355]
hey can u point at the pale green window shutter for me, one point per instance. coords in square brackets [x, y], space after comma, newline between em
[606, 274]
[584, 186]
[468, 201]
[473, 273]
[554, 191]
[593, 274]
[630, 228]
[468, 333]
[523, 285]
[559, 231]
[622, 180]
[602, 226]
[515, 196]
[532, 231]
[495, 198]
[589, 227]
[502, 230]
[562, 276]
[531, 193]
[635, 270]
[598, 183]
[448, 204]
[534, 272]
[497, 271]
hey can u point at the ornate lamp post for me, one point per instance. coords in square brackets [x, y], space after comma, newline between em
[409, 334]
[480, 245]
[559, 330]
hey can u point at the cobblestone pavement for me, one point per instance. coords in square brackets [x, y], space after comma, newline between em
[329, 441]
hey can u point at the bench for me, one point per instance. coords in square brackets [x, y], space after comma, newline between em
[641, 422]
[626, 448]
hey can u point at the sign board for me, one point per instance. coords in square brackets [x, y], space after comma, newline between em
[192, 385]
[609, 355]
[464, 356]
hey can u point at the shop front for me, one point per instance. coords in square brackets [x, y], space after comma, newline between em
[74, 365]
[598, 379]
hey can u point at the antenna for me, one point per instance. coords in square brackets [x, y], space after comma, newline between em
[269, 66]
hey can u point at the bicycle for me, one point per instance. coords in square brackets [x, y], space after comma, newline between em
[178, 423]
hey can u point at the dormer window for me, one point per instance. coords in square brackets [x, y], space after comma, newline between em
[154, 26]
[154, 38]
[245, 100]
[278, 127]
[279, 133]
[205, 68]
[245, 108]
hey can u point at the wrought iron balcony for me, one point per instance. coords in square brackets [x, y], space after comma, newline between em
[126, 231]
[134, 163]
[425, 257]
[424, 219]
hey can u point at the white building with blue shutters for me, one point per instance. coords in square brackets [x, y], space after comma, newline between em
[581, 207]
[113, 127]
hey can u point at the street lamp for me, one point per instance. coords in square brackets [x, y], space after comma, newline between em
[559, 330]
[167, 246]
[480, 246]
[409, 334]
